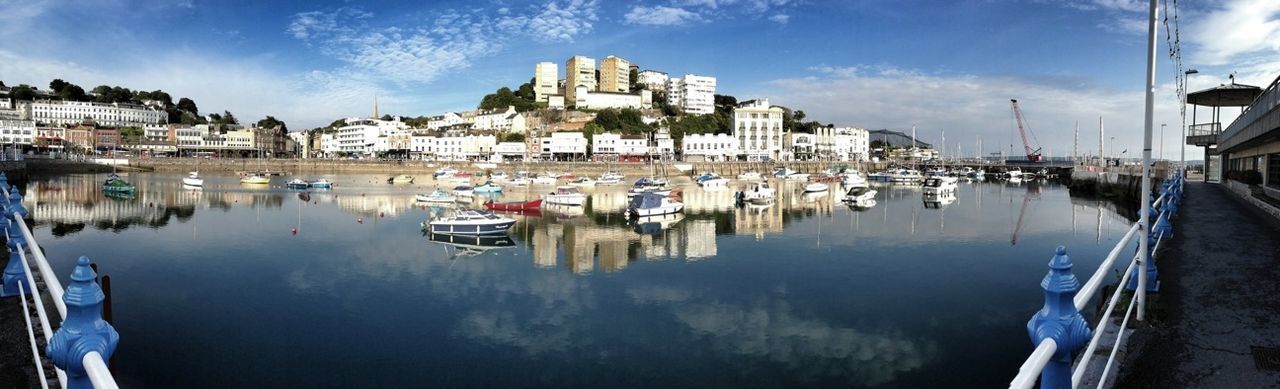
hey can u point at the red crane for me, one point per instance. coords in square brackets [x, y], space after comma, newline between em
[1033, 155]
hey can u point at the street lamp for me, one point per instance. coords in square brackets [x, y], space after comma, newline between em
[1183, 142]
[1112, 144]
[1162, 140]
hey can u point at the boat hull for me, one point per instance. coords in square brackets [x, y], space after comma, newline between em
[193, 181]
[469, 228]
[655, 211]
[535, 204]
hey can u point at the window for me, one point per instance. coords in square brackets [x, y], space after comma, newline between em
[1273, 170]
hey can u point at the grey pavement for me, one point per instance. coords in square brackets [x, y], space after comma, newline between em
[1219, 299]
[17, 369]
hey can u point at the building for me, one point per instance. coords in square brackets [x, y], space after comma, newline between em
[695, 95]
[448, 119]
[844, 144]
[602, 100]
[611, 146]
[653, 80]
[663, 145]
[360, 135]
[709, 147]
[503, 120]
[578, 71]
[62, 113]
[758, 128]
[564, 146]
[511, 151]
[615, 75]
[545, 78]
[802, 146]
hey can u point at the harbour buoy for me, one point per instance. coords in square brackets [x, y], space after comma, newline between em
[294, 230]
[360, 220]
[380, 214]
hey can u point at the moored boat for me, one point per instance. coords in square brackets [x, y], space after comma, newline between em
[513, 206]
[321, 184]
[297, 183]
[760, 193]
[400, 179]
[469, 222]
[487, 187]
[653, 204]
[583, 182]
[463, 191]
[436, 196]
[116, 186]
[749, 176]
[565, 195]
[939, 185]
[860, 195]
[255, 179]
[815, 187]
[193, 179]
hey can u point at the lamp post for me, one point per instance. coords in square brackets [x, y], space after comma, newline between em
[1112, 144]
[1162, 140]
[1183, 158]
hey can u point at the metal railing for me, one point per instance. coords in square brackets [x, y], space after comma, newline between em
[83, 342]
[1204, 129]
[1260, 106]
[1059, 330]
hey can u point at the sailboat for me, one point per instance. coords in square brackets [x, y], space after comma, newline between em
[193, 178]
[256, 178]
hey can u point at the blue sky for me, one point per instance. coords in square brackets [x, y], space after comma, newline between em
[949, 65]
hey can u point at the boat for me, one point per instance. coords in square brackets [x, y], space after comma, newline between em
[797, 177]
[400, 179]
[608, 181]
[749, 176]
[255, 179]
[905, 175]
[469, 222]
[115, 185]
[498, 176]
[321, 184]
[444, 171]
[613, 174]
[487, 187]
[436, 196]
[463, 191]
[647, 185]
[485, 165]
[759, 194]
[711, 180]
[935, 172]
[860, 195]
[880, 176]
[852, 179]
[653, 204]
[297, 183]
[1014, 173]
[544, 180]
[939, 185]
[1042, 173]
[513, 206]
[978, 174]
[193, 179]
[584, 181]
[565, 195]
[815, 187]
[520, 181]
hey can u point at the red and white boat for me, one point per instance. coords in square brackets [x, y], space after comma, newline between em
[513, 206]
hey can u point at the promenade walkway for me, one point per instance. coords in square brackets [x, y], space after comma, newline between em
[1219, 299]
[16, 367]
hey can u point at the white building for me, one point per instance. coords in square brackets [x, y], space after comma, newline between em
[843, 144]
[435, 123]
[709, 147]
[452, 147]
[361, 135]
[16, 131]
[511, 151]
[564, 146]
[758, 128]
[802, 146]
[653, 80]
[601, 100]
[109, 115]
[545, 78]
[663, 145]
[614, 146]
[694, 94]
[504, 120]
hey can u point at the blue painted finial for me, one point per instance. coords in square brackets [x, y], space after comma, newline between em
[83, 330]
[13, 272]
[1059, 320]
[15, 208]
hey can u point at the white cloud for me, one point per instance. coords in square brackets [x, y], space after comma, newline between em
[1126, 25]
[1235, 30]
[780, 18]
[562, 22]
[660, 16]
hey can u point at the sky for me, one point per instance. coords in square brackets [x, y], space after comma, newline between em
[941, 66]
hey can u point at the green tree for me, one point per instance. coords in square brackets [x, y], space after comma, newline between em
[633, 78]
[337, 123]
[526, 91]
[57, 84]
[512, 137]
[72, 92]
[608, 120]
[188, 105]
[272, 122]
[23, 92]
[228, 118]
[387, 117]
[131, 134]
[725, 102]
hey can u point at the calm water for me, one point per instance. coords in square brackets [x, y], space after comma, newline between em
[212, 289]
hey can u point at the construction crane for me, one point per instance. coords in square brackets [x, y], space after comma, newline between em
[1033, 155]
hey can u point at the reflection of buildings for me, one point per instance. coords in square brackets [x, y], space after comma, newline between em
[615, 244]
[698, 200]
[386, 205]
[757, 220]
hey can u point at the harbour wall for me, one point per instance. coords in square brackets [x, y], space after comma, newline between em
[1125, 185]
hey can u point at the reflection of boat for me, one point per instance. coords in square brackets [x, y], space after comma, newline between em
[255, 179]
[513, 206]
[860, 195]
[565, 195]
[583, 181]
[759, 194]
[939, 200]
[436, 196]
[815, 187]
[297, 183]
[473, 244]
[652, 204]
[117, 186]
[564, 210]
[862, 206]
[193, 179]
[470, 222]
[400, 179]
[654, 224]
[749, 176]
[321, 184]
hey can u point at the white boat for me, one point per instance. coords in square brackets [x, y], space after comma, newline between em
[759, 194]
[814, 187]
[749, 176]
[797, 177]
[653, 204]
[400, 179]
[711, 180]
[498, 176]
[487, 187]
[853, 180]
[520, 181]
[939, 185]
[485, 165]
[565, 195]
[544, 180]
[859, 195]
[193, 179]
[297, 183]
[321, 184]
[437, 196]
[905, 175]
[583, 181]
[1013, 173]
[608, 181]
[612, 174]
[445, 171]
[470, 222]
[463, 191]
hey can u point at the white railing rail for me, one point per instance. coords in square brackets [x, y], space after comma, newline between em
[82, 329]
[1050, 350]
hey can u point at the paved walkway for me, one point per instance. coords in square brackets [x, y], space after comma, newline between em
[1220, 297]
[17, 370]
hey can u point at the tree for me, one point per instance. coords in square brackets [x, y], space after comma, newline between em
[72, 92]
[57, 84]
[725, 102]
[228, 118]
[272, 122]
[387, 117]
[526, 90]
[188, 105]
[131, 134]
[633, 78]
[512, 137]
[23, 92]
[337, 123]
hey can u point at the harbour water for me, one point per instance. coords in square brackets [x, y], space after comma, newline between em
[213, 288]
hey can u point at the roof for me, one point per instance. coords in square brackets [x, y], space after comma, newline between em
[1233, 95]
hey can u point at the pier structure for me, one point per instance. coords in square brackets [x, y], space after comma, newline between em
[67, 339]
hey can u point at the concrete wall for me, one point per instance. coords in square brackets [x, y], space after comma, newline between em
[305, 166]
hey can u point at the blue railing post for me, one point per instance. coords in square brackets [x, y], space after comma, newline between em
[13, 273]
[83, 331]
[1060, 321]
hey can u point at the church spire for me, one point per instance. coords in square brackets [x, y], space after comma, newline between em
[375, 106]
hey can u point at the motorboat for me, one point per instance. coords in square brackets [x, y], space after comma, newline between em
[608, 181]
[297, 183]
[444, 171]
[463, 191]
[436, 196]
[853, 180]
[193, 179]
[400, 179]
[783, 172]
[321, 184]
[749, 176]
[860, 195]
[797, 177]
[711, 180]
[1014, 173]
[487, 187]
[935, 172]
[940, 185]
[520, 181]
[469, 222]
[653, 204]
[583, 181]
[565, 195]
[613, 174]
[760, 193]
[978, 174]
[115, 185]
[815, 187]
[880, 176]
[544, 180]
[513, 206]
[255, 179]
[647, 185]
[906, 175]
[498, 176]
